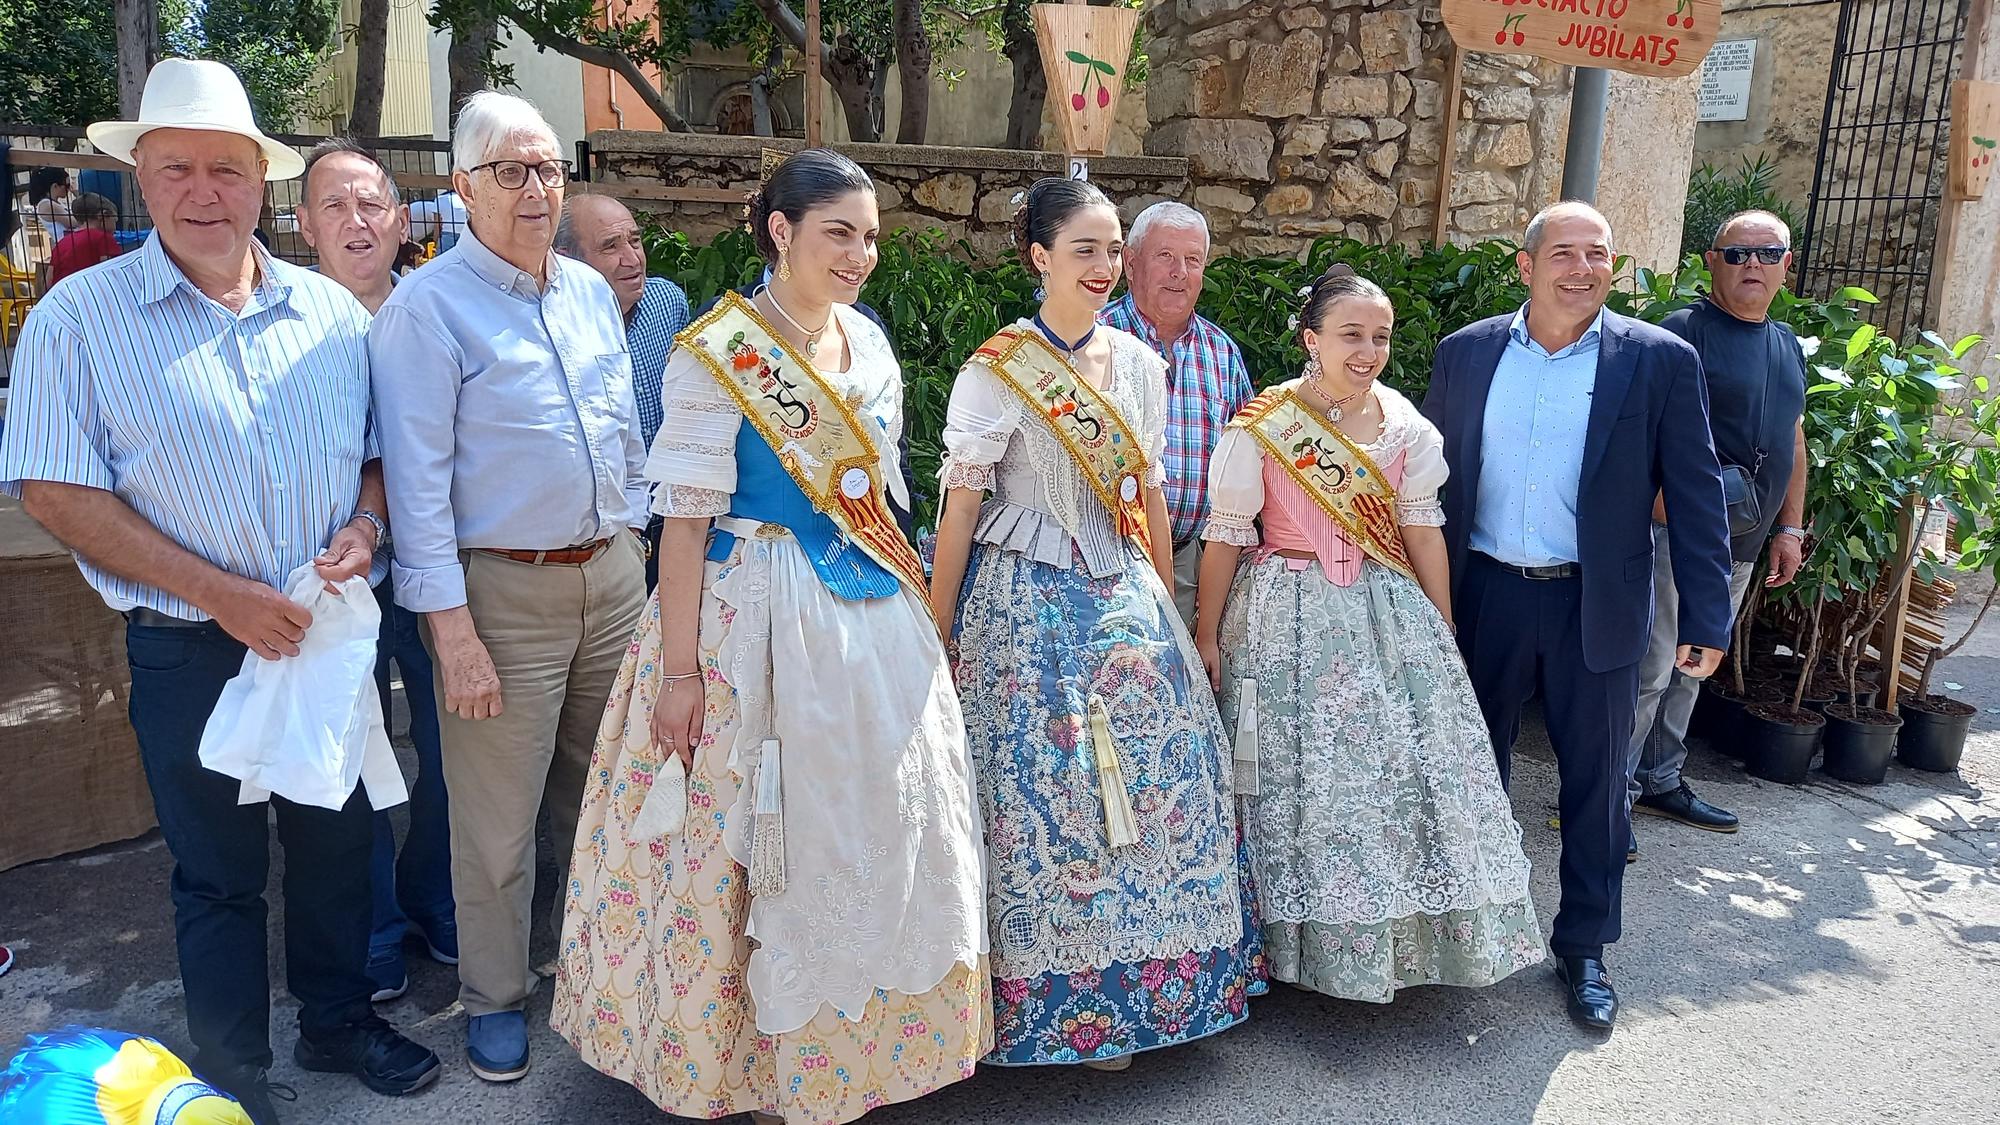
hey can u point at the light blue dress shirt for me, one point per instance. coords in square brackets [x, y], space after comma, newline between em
[507, 413]
[1531, 448]
[238, 435]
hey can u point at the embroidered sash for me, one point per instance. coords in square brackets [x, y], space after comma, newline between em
[1330, 468]
[816, 434]
[1084, 420]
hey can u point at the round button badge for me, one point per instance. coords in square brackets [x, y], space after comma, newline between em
[1128, 489]
[854, 483]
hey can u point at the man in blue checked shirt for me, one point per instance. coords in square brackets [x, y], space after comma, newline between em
[600, 230]
[1165, 256]
[193, 421]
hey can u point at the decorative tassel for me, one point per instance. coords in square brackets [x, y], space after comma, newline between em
[767, 841]
[1121, 827]
[1246, 740]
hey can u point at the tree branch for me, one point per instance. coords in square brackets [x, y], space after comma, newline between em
[617, 62]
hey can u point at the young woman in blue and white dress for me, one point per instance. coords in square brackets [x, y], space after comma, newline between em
[1087, 713]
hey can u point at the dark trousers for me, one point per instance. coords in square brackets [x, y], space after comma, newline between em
[1517, 634]
[221, 856]
[417, 884]
[654, 526]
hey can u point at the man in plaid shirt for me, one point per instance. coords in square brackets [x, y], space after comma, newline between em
[1165, 257]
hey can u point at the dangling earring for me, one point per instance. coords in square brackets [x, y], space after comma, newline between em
[784, 263]
[1312, 369]
[1042, 290]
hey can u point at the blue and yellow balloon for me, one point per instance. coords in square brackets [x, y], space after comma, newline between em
[88, 1076]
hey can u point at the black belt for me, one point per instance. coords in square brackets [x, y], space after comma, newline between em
[154, 619]
[1539, 573]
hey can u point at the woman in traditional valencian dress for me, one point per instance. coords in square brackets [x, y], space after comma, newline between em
[1386, 854]
[1112, 886]
[775, 901]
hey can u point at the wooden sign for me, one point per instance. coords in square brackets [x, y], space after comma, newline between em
[1975, 136]
[1084, 54]
[1659, 38]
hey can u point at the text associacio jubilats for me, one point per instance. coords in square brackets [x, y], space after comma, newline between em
[1597, 30]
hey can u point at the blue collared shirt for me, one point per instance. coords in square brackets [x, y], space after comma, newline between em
[238, 435]
[1531, 448]
[662, 312]
[507, 413]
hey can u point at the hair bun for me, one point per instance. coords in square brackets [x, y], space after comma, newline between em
[1337, 269]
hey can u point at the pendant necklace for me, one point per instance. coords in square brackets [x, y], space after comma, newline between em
[812, 336]
[1334, 411]
[1068, 349]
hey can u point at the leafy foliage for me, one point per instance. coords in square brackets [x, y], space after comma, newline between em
[58, 61]
[276, 47]
[1714, 195]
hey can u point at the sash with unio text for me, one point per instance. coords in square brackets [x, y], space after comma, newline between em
[1084, 420]
[1331, 469]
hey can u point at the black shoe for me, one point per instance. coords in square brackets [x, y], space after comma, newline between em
[384, 1059]
[1592, 1002]
[1681, 804]
[253, 1090]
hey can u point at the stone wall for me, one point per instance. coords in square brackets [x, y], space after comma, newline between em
[966, 192]
[1300, 118]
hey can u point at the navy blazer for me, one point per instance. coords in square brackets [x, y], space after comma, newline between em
[1648, 434]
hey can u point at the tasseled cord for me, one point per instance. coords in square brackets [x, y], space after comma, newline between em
[1246, 740]
[1121, 827]
[767, 841]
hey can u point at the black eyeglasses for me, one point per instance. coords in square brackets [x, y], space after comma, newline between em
[1737, 255]
[513, 174]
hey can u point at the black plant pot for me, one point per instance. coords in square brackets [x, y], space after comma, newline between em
[1933, 734]
[1865, 698]
[1818, 701]
[1724, 725]
[1859, 743]
[1782, 742]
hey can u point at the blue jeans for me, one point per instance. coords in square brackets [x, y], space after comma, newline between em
[416, 885]
[221, 856]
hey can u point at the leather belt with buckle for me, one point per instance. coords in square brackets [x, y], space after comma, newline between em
[564, 556]
[1539, 573]
[154, 619]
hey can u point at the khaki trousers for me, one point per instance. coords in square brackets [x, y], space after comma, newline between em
[557, 635]
[1187, 575]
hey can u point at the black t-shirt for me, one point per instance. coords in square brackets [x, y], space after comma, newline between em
[1756, 373]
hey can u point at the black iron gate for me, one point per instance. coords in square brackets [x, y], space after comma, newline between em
[1880, 175]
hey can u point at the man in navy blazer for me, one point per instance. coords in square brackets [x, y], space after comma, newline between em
[1561, 424]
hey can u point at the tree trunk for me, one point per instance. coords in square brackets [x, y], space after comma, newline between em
[1031, 88]
[371, 69]
[471, 45]
[138, 49]
[913, 68]
[850, 73]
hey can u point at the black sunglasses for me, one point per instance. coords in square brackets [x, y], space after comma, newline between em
[1737, 255]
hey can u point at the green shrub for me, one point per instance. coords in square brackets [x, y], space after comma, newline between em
[1714, 195]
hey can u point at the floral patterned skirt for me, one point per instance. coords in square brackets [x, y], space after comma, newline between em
[1385, 850]
[1100, 952]
[652, 968]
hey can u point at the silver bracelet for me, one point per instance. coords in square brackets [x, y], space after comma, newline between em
[682, 676]
[1798, 533]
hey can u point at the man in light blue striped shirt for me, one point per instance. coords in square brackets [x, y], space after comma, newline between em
[192, 420]
[510, 437]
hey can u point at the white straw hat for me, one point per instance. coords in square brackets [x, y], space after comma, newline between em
[194, 94]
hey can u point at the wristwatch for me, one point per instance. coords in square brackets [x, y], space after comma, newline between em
[381, 526]
[1798, 533]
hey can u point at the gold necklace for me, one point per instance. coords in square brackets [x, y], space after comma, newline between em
[812, 336]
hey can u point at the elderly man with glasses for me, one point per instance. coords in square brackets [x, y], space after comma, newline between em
[1756, 374]
[511, 446]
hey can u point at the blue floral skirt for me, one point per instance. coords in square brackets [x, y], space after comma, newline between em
[1097, 951]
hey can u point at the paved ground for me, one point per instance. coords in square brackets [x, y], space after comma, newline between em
[1838, 961]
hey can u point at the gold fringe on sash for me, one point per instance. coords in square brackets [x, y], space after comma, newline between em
[1246, 740]
[1121, 826]
[767, 840]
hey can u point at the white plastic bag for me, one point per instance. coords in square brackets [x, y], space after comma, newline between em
[309, 727]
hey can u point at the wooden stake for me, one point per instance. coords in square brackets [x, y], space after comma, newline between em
[1899, 609]
[814, 121]
[1454, 89]
[1947, 228]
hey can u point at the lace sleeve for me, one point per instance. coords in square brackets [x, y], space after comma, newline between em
[686, 501]
[1152, 420]
[1424, 472]
[1235, 490]
[696, 445]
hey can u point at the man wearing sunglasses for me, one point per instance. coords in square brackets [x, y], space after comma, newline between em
[1756, 376]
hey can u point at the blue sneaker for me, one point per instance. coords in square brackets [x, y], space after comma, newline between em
[497, 1046]
[441, 939]
[386, 973]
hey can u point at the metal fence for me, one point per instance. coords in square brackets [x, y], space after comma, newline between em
[421, 167]
[1880, 175]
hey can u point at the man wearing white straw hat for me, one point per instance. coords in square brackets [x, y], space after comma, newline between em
[193, 421]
